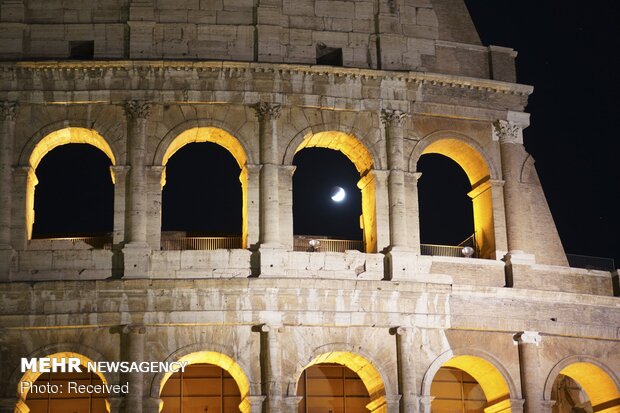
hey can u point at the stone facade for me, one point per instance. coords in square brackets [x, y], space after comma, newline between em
[414, 80]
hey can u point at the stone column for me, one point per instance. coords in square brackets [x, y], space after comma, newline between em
[393, 120]
[137, 113]
[8, 111]
[133, 343]
[532, 374]
[413, 210]
[153, 209]
[406, 358]
[120, 190]
[136, 250]
[513, 156]
[268, 114]
[271, 367]
[22, 211]
[253, 204]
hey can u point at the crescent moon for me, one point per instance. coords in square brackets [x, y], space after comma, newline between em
[339, 195]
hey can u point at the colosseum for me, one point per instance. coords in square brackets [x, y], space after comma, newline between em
[269, 320]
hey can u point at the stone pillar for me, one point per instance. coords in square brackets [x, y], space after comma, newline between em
[268, 115]
[393, 120]
[513, 156]
[285, 180]
[136, 250]
[532, 373]
[253, 204]
[406, 358]
[271, 367]
[381, 205]
[153, 209]
[133, 343]
[8, 111]
[119, 174]
[499, 218]
[413, 210]
[22, 211]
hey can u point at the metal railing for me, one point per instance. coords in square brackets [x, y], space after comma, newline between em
[302, 243]
[200, 243]
[591, 263]
[103, 242]
[441, 250]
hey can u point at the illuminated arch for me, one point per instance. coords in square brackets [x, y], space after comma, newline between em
[480, 170]
[51, 141]
[599, 383]
[221, 137]
[367, 371]
[217, 359]
[360, 156]
[493, 378]
[30, 376]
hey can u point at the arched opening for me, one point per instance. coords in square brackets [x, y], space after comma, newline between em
[70, 169]
[204, 191]
[585, 386]
[210, 382]
[61, 392]
[331, 387]
[201, 388]
[469, 384]
[341, 382]
[475, 167]
[446, 213]
[331, 165]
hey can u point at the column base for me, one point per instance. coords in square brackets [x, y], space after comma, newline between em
[406, 265]
[136, 260]
[273, 261]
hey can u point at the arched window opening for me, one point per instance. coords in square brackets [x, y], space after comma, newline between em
[59, 392]
[569, 396]
[581, 386]
[201, 388]
[455, 391]
[329, 387]
[446, 210]
[74, 197]
[202, 199]
[327, 203]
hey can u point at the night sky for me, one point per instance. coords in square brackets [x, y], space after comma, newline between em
[566, 51]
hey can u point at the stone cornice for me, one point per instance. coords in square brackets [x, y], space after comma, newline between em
[97, 68]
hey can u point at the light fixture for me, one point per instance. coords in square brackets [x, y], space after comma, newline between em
[467, 252]
[314, 244]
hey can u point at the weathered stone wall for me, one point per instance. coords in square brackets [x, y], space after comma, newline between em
[435, 36]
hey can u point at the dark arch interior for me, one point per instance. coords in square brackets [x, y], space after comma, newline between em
[202, 195]
[318, 171]
[75, 193]
[446, 211]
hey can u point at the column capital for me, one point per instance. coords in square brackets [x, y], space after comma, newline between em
[292, 401]
[528, 337]
[393, 117]
[8, 110]
[414, 176]
[267, 111]
[133, 329]
[137, 109]
[507, 132]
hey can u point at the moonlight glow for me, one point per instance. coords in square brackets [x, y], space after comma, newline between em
[338, 194]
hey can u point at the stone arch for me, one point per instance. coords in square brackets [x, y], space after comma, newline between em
[57, 351]
[489, 372]
[198, 131]
[598, 381]
[364, 159]
[480, 171]
[193, 355]
[356, 359]
[42, 143]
